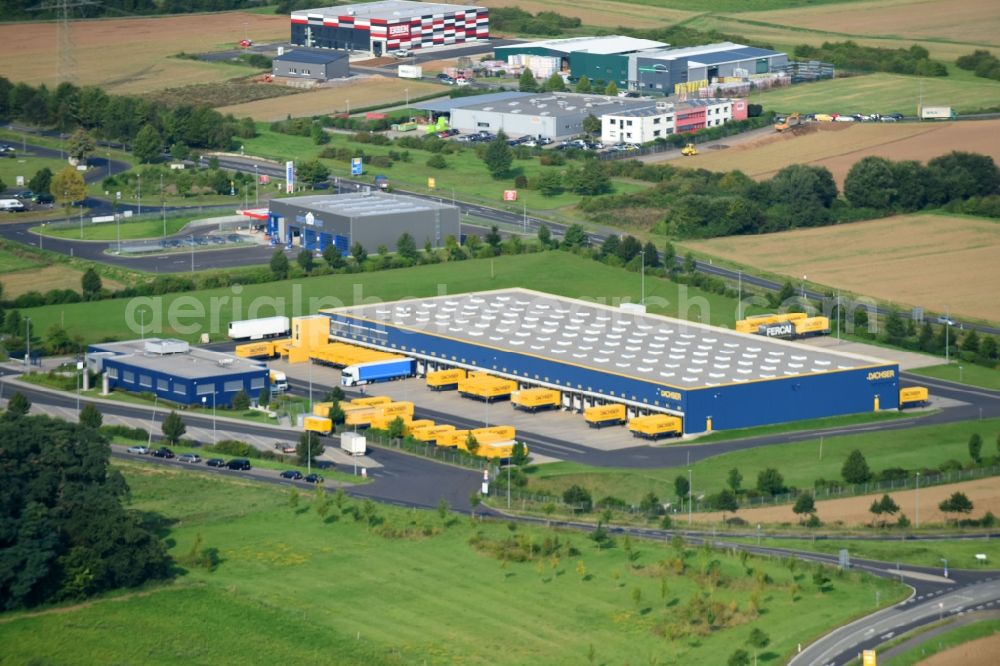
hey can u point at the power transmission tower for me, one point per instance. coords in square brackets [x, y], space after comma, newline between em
[64, 37]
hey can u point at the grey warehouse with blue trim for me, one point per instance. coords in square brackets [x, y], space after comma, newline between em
[369, 218]
[596, 354]
[176, 372]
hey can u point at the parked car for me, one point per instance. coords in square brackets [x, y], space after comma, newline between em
[44, 199]
[163, 452]
[313, 478]
[402, 53]
[141, 450]
[238, 464]
[26, 195]
[215, 462]
[292, 474]
[189, 458]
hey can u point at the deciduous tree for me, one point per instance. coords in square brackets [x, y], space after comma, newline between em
[173, 428]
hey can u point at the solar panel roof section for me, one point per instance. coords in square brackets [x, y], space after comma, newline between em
[653, 348]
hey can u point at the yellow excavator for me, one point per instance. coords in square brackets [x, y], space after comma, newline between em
[689, 150]
[792, 120]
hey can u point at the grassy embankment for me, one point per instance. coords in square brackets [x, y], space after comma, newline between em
[294, 580]
[960, 553]
[554, 272]
[966, 373]
[945, 641]
[126, 230]
[798, 462]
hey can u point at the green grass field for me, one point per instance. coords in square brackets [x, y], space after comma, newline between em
[884, 93]
[10, 169]
[945, 641]
[466, 174]
[966, 373]
[960, 553]
[798, 462]
[187, 315]
[796, 426]
[10, 262]
[408, 587]
[128, 230]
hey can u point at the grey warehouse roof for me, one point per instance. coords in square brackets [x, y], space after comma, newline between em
[447, 104]
[387, 9]
[667, 351]
[718, 52]
[554, 104]
[601, 45]
[311, 57]
[195, 363]
[363, 204]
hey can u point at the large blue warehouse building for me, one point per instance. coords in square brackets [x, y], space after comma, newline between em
[595, 354]
[176, 372]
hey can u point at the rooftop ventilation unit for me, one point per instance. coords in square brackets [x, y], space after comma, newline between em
[168, 346]
[487, 108]
[226, 362]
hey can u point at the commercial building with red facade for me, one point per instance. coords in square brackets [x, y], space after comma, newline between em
[378, 28]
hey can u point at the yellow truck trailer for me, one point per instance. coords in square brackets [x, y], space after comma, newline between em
[795, 329]
[261, 349]
[494, 433]
[753, 323]
[322, 408]
[431, 433]
[534, 399]
[445, 380]
[812, 326]
[451, 438]
[363, 415]
[419, 424]
[486, 388]
[604, 415]
[913, 396]
[498, 450]
[318, 424]
[655, 426]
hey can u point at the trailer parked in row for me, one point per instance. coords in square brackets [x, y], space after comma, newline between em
[795, 329]
[655, 426]
[604, 415]
[445, 380]
[913, 396]
[378, 371]
[258, 329]
[534, 399]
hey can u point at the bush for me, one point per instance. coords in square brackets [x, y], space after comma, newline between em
[437, 161]
[578, 498]
[125, 432]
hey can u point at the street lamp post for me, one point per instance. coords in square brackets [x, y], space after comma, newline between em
[916, 523]
[142, 324]
[163, 207]
[191, 237]
[79, 368]
[690, 498]
[27, 340]
[642, 277]
[945, 560]
[256, 187]
[204, 401]
[508, 484]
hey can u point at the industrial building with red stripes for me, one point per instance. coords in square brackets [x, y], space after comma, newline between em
[381, 27]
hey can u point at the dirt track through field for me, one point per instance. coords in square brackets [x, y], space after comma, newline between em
[838, 146]
[940, 262]
[133, 55]
[984, 493]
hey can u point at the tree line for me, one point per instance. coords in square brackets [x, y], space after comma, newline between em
[515, 19]
[982, 63]
[850, 55]
[705, 204]
[65, 533]
[148, 126]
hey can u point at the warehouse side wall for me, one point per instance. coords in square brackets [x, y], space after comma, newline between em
[132, 377]
[793, 398]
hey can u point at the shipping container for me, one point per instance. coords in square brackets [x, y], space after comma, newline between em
[445, 380]
[655, 426]
[604, 415]
[531, 400]
[913, 396]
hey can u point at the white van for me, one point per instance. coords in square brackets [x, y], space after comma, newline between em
[11, 205]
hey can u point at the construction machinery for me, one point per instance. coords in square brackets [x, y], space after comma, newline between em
[689, 150]
[791, 121]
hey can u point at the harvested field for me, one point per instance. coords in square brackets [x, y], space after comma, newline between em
[969, 21]
[884, 93]
[887, 259]
[43, 279]
[132, 55]
[353, 93]
[223, 93]
[984, 493]
[980, 652]
[837, 146]
[603, 13]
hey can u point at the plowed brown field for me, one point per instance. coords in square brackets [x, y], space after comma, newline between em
[132, 55]
[603, 13]
[940, 262]
[984, 493]
[980, 652]
[837, 146]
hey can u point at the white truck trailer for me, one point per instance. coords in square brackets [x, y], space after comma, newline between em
[258, 329]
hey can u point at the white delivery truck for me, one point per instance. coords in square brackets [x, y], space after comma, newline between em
[11, 206]
[258, 329]
[279, 382]
[353, 443]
